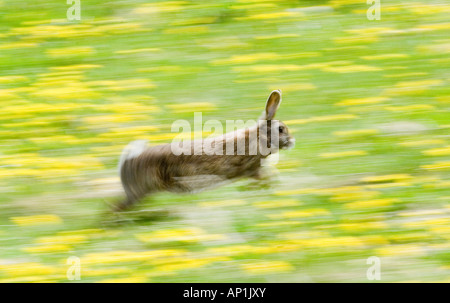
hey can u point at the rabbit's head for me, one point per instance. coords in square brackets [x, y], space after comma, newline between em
[282, 138]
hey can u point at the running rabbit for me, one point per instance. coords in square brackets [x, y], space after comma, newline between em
[145, 170]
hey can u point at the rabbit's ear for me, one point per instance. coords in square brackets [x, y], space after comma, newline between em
[272, 104]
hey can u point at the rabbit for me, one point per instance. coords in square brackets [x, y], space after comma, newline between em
[146, 170]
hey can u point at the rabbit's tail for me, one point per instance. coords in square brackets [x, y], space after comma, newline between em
[129, 179]
[132, 150]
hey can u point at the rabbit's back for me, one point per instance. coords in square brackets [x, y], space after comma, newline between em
[158, 168]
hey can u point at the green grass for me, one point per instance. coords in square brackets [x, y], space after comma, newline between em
[62, 131]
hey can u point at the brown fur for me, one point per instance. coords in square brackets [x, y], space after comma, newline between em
[158, 169]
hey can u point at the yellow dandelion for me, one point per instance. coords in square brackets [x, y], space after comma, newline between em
[185, 264]
[409, 237]
[374, 240]
[362, 101]
[192, 106]
[66, 92]
[183, 235]
[247, 58]
[162, 7]
[442, 165]
[427, 223]
[356, 39]
[62, 239]
[137, 51]
[129, 107]
[444, 151]
[121, 256]
[436, 26]
[29, 279]
[36, 220]
[339, 3]
[349, 153]
[375, 203]
[274, 15]
[282, 246]
[275, 204]
[16, 45]
[102, 119]
[47, 248]
[362, 226]
[387, 178]
[70, 51]
[387, 185]
[427, 9]
[28, 269]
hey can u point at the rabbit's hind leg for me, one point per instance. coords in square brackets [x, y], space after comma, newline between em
[133, 196]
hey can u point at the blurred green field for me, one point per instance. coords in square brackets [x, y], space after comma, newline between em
[368, 103]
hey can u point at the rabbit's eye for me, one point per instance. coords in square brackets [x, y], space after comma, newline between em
[280, 129]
